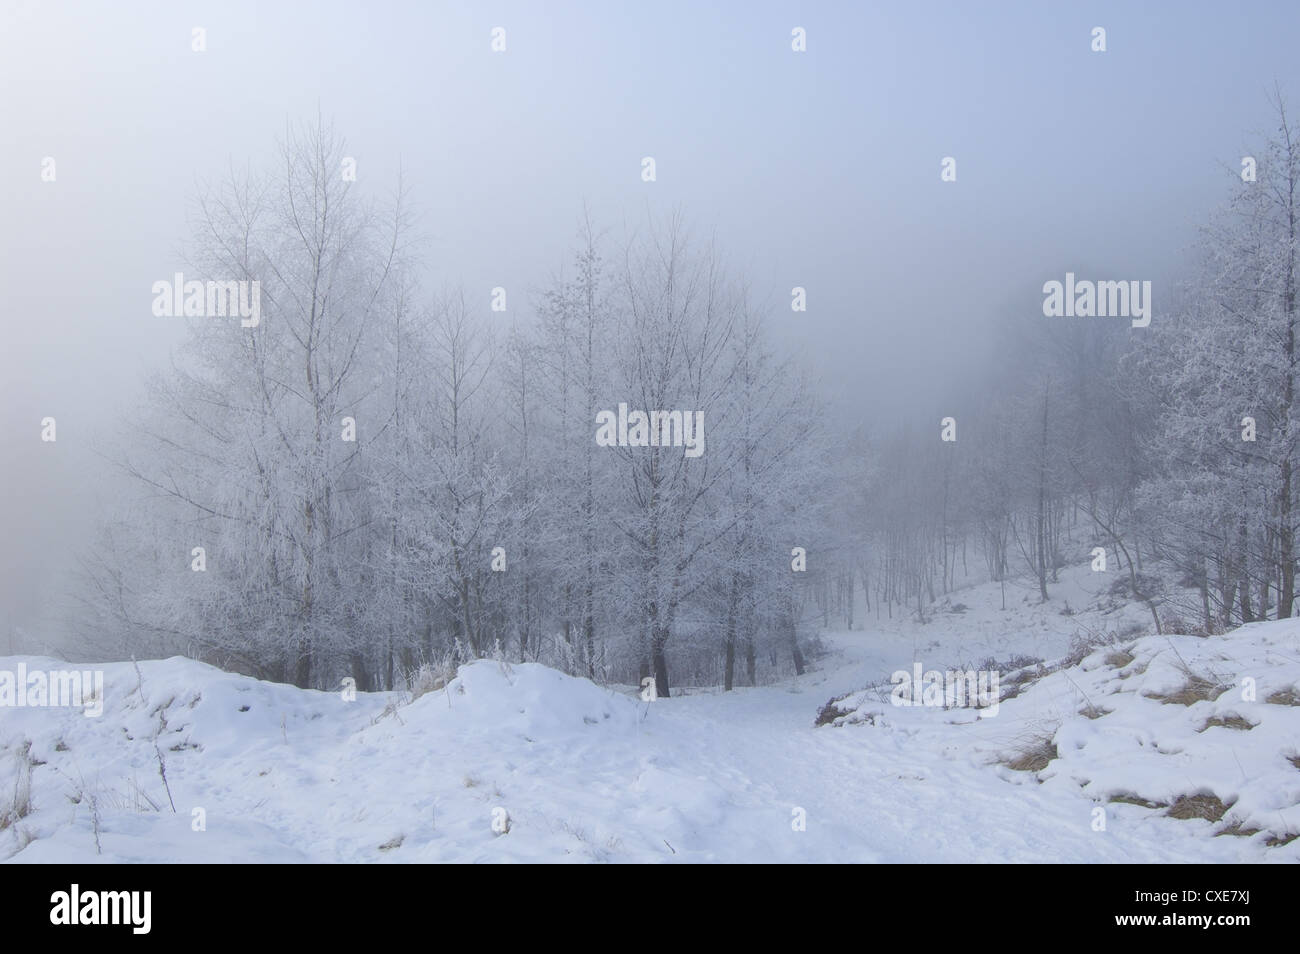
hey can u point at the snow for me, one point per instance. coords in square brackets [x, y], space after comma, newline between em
[589, 773]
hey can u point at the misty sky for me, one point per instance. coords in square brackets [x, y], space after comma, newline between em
[818, 169]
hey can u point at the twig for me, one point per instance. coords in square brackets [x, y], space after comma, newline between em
[162, 766]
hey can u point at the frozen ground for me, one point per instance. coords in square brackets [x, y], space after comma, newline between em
[586, 773]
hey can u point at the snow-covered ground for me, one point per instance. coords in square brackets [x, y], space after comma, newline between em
[586, 773]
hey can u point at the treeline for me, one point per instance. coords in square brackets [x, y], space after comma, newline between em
[373, 479]
[376, 479]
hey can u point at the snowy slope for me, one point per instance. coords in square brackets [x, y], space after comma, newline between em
[587, 773]
[1148, 730]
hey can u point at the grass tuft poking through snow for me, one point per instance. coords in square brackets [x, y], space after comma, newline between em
[1035, 757]
[1206, 806]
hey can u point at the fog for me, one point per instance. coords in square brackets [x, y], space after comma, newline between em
[818, 169]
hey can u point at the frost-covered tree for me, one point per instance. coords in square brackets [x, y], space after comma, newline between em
[1225, 382]
[241, 450]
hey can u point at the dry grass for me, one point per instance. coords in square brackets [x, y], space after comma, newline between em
[1120, 658]
[1195, 689]
[18, 805]
[1136, 671]
[1034, 757]
[1127, 798]
[133, 799]
[1084, 644]
[1284, 697]
[1229, 721]
[430, 678]
[828, 714]
[1187, 807]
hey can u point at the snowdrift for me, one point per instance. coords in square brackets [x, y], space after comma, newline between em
[258, 771]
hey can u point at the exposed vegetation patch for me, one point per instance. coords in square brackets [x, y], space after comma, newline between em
[1284, 697]
[828, 713]
[1196, 689]
[1129, 798]
[1120, 658]
[1034, 757]
[1229, 721]
[1187, 807]
[1235, 828]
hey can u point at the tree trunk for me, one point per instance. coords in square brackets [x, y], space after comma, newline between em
[733, 601]
[660, 663]
[792, 630]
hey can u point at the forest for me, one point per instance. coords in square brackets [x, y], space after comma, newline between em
[384, 477]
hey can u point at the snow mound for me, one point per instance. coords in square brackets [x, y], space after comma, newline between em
[525, 699]
[187, 762]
